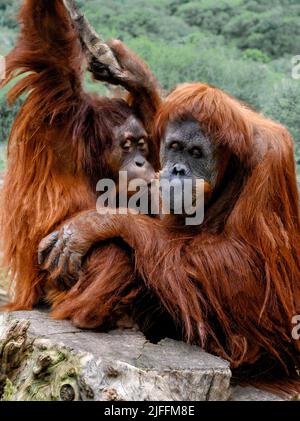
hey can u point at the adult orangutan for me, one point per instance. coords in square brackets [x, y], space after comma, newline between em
[232, 283]
[64, 140]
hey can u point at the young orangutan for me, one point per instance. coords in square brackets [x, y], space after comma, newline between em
[64, 140]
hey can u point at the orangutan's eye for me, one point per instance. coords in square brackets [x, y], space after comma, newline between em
[196, 152]
[127, 145]
[175, 146]
[142, 143]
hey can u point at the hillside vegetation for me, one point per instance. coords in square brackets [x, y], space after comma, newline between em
[243, 46]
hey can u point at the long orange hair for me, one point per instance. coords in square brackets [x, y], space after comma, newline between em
[232, 284]
[60, 140]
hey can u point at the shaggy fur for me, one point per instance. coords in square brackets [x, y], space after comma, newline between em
[233, 283]
[59, 145]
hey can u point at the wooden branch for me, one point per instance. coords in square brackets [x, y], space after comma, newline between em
[117, 65]
[95, 47]
[125, 69]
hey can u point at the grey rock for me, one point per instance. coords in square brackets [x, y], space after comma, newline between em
[250, 393]
[44, 359]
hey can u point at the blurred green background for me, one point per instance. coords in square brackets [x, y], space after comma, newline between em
[242, 46]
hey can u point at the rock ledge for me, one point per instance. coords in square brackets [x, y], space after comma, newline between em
[44, 359]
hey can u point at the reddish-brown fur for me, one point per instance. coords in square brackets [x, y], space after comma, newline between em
[59, 144]
[233, 284]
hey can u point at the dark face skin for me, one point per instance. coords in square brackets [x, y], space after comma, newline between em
[131, 151]
[188, 154]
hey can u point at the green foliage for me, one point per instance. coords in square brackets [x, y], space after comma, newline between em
[243, 46]
[272, 31]
[9, 10]
[2, 168]
[208, 14]
[199, 60]
[270, 26]
[284, 106]
[255, 55]
[7, 115]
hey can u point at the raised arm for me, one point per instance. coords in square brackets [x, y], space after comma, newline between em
[49, 53]
[145, 94]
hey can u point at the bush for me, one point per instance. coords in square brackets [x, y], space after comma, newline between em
[210, 15]
[255, 55]
[272, 32]
[7, 116]
[284, 106]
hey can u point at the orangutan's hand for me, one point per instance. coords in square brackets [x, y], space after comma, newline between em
[62, 252]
